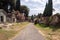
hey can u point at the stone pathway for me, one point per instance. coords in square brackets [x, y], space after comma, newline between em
[29, 33]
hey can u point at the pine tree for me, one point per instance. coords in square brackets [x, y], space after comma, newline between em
[45, 11]
[48, 8]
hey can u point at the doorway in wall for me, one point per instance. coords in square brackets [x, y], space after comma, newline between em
[2, 19]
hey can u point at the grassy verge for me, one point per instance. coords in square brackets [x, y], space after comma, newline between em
[14, 29]
[18, 26]
[49, 33]
[5, 35]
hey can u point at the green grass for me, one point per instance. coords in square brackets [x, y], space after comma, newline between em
[51, 33]
[45, 30]
[5, 35]
[43, 27]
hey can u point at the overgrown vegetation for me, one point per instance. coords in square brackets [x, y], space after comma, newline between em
[5, 35]
[51, 33]
[49, 24]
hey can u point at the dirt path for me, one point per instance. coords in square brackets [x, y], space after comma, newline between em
[29, 33]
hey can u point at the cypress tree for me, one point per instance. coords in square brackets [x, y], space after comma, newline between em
[48, 9]
[18, 5]
[45, 11]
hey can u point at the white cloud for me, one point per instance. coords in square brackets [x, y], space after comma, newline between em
[26, 0]
[35, 12]
[37, 6]
[40, 1]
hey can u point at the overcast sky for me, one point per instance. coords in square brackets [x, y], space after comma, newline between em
[37, 6]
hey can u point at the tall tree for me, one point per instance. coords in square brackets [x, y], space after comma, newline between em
[7, 5]
[14, 4]
[48, 8]
[39, 15]
[18, 5]
[1, 3]
[25, 10]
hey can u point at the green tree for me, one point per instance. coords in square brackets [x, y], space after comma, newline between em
[48, 8]
[1, 4]
[25, 10]
[32, 17]
[18, 5]
[39, 15]
[5, 3]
